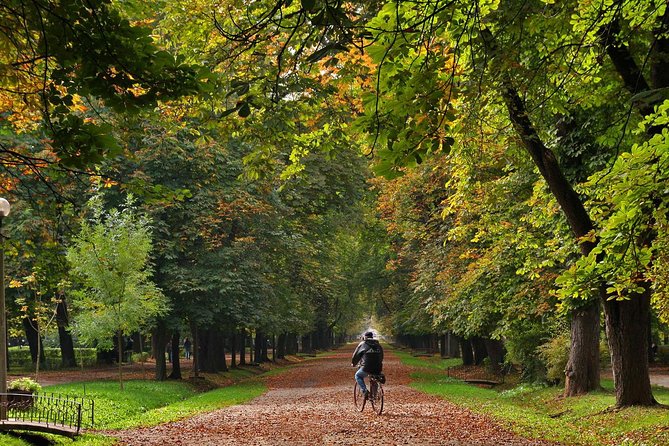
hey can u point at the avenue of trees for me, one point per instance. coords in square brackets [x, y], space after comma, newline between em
[495, 170]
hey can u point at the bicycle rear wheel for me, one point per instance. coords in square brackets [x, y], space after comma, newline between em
[358, 398]
[376, 397]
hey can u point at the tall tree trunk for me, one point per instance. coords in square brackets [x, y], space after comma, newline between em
[119, 340]
[222, 363]
[176, 363]
[453, 345]
[195, 334]
[137, 342]
[467, 351]
[67, 356]
[581, 360]
[480, 351]
[264, 349]
[496, 352]
[273, 348]
[207, 352]
[442, 345]
[261, 347]
[233, 350]
[651, 350]
[242, 347]
[251, 342]
[281, 346]
[306, 344]
[582, 371]
[291, 344]
[627, 332]
[34, 341]
[627, 335]
[212, 349]
[257, 346]
[158, 343]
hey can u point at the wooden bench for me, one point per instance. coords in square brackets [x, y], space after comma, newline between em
[422, 353]
[486, 382]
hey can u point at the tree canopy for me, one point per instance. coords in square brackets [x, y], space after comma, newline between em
[493, 170]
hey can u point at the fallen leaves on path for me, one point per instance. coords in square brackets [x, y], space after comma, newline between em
[311, 404]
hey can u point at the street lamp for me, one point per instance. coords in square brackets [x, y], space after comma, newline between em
[4, 211]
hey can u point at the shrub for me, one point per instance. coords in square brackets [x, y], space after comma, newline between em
[140, 357]
[24, 384]
[19, 357]
[522, 342]
[555, 354]
[663, 354]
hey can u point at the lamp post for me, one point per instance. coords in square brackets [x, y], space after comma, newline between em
[4, 211]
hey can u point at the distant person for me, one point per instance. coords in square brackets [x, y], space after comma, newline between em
[187, 347]
[368, 355]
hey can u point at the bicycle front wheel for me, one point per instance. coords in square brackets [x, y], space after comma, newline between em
[358, 398]
[377, 399]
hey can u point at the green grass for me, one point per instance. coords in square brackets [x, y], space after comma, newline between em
[540, 411]
[204, 402]
[9, 440]
[431, 362]
[147, 403]
[113, 404]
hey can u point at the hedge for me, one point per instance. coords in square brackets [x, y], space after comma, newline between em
[19, 357]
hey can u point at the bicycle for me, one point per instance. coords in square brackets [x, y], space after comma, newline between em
[375, 394]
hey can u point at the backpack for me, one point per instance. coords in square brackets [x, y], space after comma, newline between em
[372, 359]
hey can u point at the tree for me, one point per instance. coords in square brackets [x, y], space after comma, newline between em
[506, 57]
[492, 49]
[62, 62]
[110, 258]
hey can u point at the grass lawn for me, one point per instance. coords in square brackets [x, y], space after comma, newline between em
[540, 412]
[144, 403]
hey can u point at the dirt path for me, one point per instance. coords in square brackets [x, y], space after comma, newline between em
[311, 405]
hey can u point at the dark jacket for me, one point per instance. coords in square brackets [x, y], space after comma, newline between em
[359, 353]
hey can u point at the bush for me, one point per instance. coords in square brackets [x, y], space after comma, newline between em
[24, 384]
[522, 342]
[555, 354]
[140, 357]
[19, 357]
[663, 354]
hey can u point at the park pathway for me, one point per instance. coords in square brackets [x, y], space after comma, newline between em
[310, 405]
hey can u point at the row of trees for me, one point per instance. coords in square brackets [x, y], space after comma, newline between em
[574, 92]
[577, 87]
[99, 105]
[523, 146]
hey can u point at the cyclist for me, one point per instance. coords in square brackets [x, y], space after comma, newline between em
[369, 355]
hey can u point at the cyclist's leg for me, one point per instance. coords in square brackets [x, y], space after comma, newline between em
[360, 376]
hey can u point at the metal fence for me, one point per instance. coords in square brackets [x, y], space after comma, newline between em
[48, 409]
